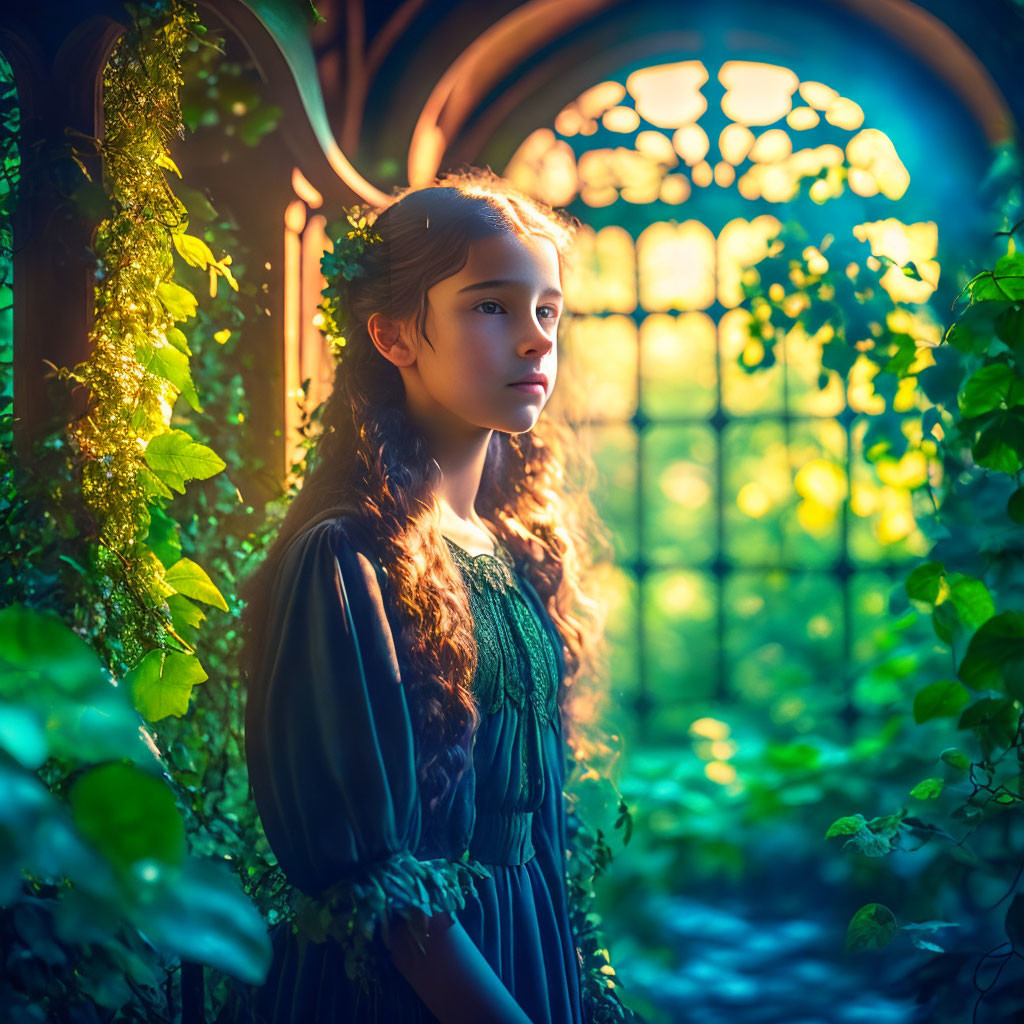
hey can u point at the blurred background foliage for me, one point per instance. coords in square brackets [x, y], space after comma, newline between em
[817, 669]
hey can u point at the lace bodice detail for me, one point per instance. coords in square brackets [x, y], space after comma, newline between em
[517, 661]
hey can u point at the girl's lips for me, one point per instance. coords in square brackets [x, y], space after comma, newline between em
[531, 387]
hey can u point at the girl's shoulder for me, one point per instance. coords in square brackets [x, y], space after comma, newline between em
[346, 535]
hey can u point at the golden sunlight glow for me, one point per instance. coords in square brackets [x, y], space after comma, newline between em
[735, 142]
[691, 143]
[702, 174]
[677, 358]
[741, 244]
[772, 146]
[603, 351]
[599, 98]
[744, 393]
[822, 481]
[685, 483]
[873, 156]
[845, 114]
[800, 119]
[621, 119]
[710, 728]
[721, 772]
[753, 500]
[602, 276]
[676, 266]
[668, 95]
[675, 189]
[904, 243]
[545, 166]
[756, 93]
[816, 94]
[658, 147]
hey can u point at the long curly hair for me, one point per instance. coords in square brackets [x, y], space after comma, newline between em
[371, 461]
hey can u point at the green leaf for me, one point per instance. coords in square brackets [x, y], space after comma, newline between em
[1000, 446]
[872, 927]
[972, 600]
[989, 712]
[1015, 506]
[996, 650]
[945, 621]
[846, 826]
[206, 917]
[172, 364]
[128, 815]
[194, 251]
[988, 388]
[956, 758]
[939, 700]
[178, 340]
[37, 645]
[175, 457]
[191, 579]
[1009, 327]
[928, 789]
[162, 682]
[923, 583]
[974, 330]
[163, 539]
[179, 302]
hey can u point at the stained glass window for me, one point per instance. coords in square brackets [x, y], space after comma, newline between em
[755, 542]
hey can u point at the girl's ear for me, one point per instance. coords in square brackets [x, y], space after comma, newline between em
[392, 339]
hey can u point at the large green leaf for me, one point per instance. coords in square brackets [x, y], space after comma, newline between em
[988, 388]
[872, 927]
[128, 815]
[940, 700]
[996, 650]
[190, 579]
[175, 457]
[178, 301]
[206, 917]
[172, 364]
[161, 684]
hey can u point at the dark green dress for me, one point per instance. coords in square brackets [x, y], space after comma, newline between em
[330, 751]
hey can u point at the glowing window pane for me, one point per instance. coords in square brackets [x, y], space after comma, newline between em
[757, 93]
[816, 94]
[803, 366]
[617, 590]
[614, 448]
[904, 243]
[601, 277]
[676, 266]
[758, 489]
[668, 95]
[545, 166]
[735, 142]
[772, 146]
[602, 351]
[845, 114]
[800, 119]
[745, 393]
[679, 611]
[679, 494]
[675, 189]
[702, 174]
[784, 633]
[658, 147]
[621, 119]
[872, 151]
[882, 526]
[677, 356]
[741, 244]
[691, 143]
[812, 530]
[725, 174]
[599, 98]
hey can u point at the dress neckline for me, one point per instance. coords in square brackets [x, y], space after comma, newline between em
[501, 553]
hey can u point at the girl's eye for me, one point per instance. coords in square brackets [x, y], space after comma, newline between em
[553, 315]
[486, 302]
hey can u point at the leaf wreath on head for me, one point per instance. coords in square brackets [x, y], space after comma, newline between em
[345, 260]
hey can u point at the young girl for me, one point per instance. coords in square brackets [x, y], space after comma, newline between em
[414, 634]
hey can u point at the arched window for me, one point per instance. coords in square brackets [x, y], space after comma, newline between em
[754, 540]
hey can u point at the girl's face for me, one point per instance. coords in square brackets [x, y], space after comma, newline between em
[490, 325]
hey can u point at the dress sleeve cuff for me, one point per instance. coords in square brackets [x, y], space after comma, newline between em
[355, 908]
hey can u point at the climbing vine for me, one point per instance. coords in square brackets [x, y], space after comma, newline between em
[953, 424]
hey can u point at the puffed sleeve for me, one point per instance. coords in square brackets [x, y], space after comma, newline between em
[331, 753]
